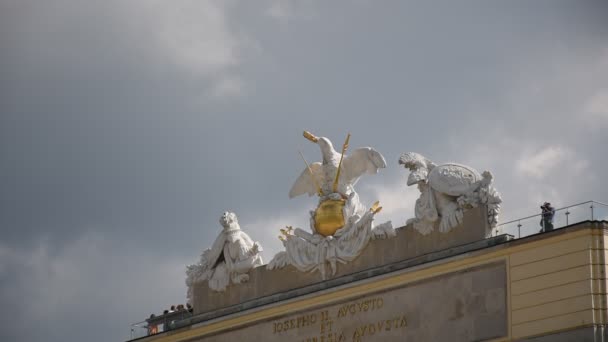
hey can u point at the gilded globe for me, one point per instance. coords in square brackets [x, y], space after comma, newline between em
[329, 217]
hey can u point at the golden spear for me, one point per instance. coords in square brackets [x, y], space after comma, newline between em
[344, 147]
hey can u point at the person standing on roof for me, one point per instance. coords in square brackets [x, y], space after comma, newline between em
[546, 221]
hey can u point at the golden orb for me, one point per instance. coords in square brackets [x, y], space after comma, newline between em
[329, 217]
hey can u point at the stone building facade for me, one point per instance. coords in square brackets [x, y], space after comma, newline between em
[459, 286]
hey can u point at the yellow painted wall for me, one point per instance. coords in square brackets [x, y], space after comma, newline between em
[558, 284]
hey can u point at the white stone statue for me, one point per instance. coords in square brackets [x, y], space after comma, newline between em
[359, 162]
[341, 226]
[231, 257]
[446, 191]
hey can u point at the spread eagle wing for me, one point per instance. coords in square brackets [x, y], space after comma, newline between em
[304, 184]
[360, 161]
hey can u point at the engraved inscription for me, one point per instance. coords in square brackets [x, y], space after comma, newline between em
[383, 325]
[325, 320]
[459, 306]
[361, 306]
[294, 323]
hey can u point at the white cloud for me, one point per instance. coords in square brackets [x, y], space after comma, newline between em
[597, 105]
[266, 230]
[228, 87]
[396, 199]
[537, 164]
[199, 37]
[91, 277]
[527, 172]
[279, 10]
[193, 34]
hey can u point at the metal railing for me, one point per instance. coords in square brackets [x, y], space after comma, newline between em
[158, 324]
[139, 329]
[585, 211]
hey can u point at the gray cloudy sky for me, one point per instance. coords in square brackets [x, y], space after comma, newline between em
[128, 127]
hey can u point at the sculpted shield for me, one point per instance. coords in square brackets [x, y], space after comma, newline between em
[446, 191]
[453, 179]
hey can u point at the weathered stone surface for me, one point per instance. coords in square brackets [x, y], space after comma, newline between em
[451, 307]
[408, 244]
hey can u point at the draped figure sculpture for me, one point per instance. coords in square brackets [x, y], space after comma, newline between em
[231, 257]
[341, 225]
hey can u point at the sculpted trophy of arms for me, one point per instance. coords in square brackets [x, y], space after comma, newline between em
[446, 191]
[341, 226]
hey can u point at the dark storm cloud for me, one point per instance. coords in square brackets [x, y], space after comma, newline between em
[126, 128]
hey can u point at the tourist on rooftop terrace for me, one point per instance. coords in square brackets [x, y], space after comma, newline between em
[546, 222]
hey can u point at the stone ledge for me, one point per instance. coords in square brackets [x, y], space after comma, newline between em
[293, 293]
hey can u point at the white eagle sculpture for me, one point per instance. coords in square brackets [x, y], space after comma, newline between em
[361, 161]
[231, 257]
[446, 191]
[341, 226]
